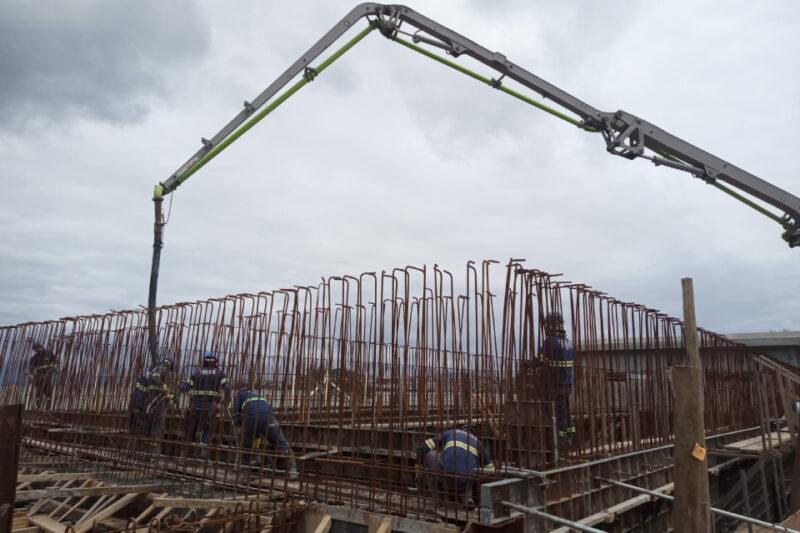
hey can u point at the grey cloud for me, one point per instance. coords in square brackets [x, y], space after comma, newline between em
[92, 59]
[390, 159]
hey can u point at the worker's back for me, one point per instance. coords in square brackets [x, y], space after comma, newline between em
[251, 403]
[206, 386]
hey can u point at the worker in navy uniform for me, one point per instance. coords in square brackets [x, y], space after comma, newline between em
[208, 387]
[255, 415]
[41, 368]
[454, 452]
[556, 359]
[150, 399]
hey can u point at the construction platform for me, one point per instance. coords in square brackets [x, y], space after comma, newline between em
[362, 369]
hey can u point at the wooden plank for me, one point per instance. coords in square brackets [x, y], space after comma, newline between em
[751, 444]
[610, 515]
[48, 524]
[30, 495]
[29, 529]
[83, 527]
[57, 476]
[201, 503]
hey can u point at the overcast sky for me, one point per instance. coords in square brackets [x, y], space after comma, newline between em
[389, 159]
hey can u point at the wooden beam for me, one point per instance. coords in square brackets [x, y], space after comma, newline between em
[48, 524]
[57, 476]
[30, 529]
[201, 503]
[30, 495]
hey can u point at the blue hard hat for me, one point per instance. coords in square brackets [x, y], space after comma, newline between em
[243, 391]
[209, 355]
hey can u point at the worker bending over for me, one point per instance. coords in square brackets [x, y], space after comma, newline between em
[150, 399]
[41, 368]
[457, 452]
[556, 357]
[254, 414]
[207, 386]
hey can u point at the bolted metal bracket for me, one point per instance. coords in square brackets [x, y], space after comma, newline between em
[627, 142]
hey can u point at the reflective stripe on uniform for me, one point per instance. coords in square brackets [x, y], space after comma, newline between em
[566, 432]
[488, 467]
[253, 399]
[205, 393]
[564, 363]
[223, 381]
[430, 443]
[464, 445]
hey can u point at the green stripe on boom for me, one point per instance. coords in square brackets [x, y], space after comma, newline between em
[269, 108]
[483, 79]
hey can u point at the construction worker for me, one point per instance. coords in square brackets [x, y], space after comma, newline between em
[41, 368]
[150, 399]
[556, 359]
[207, 387]
[456, 452]
[254, 414]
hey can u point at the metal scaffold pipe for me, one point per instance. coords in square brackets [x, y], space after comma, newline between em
[721, 512]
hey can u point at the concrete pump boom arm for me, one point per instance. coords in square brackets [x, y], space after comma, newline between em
[624, 134]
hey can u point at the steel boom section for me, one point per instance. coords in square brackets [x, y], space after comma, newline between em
[625, 134]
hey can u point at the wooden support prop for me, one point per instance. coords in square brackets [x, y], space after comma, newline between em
[41, 503]
[10, 437]
[324, 525]
[151, 508]
[379, 525]
[30, 495]
[316, 522]
[692, 510]
[86, 525]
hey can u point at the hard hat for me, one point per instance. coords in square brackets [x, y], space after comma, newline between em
[553, 317]
[166, 362]
[469, 428]
[243, 391]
